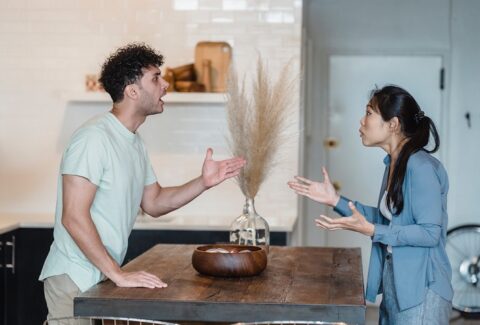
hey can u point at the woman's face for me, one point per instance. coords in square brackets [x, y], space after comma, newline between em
[374, 131]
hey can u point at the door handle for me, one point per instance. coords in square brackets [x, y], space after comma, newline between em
[11, 265]
[330, 143]
[337, 186]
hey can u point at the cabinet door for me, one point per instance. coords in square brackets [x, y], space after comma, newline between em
[33, 245]
[2, 281]
[9, 278]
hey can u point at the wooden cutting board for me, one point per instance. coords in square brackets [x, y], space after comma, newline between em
[212, 60]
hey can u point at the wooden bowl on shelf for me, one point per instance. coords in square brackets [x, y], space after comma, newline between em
[229, 260]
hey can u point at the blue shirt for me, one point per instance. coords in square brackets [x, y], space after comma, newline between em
[417, 235]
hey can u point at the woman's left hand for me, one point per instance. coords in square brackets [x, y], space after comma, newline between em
[356, 222]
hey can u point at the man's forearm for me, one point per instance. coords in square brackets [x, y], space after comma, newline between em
[83, 231]
[171, 198]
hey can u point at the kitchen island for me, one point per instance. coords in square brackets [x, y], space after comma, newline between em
[300, 283]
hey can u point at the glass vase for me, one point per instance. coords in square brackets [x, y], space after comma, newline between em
[250, 228]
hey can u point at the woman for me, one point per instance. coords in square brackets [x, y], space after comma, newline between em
[408, 262]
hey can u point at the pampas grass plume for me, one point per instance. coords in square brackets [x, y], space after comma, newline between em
[257, 123]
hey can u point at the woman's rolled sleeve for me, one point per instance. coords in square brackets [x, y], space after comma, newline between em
[342, 208]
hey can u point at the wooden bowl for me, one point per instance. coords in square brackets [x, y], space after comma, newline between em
[232, 264]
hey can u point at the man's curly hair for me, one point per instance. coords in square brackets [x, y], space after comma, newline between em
[124, 67]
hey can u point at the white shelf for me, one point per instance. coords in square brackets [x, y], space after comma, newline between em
[173, 97]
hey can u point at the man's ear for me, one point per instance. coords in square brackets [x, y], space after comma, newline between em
[131, 91]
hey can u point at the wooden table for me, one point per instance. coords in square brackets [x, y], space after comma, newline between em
[299, 283]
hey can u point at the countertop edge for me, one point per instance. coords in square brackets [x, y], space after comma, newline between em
[10, 223]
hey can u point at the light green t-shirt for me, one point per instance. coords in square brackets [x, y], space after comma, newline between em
[105, 152]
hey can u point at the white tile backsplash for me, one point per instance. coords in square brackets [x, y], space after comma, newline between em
[185, 4]
[48, 46]
[210, 4]
[222, 17]
[234, 5]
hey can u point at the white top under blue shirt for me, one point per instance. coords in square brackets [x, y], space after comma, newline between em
[386, 213]
[113, 158]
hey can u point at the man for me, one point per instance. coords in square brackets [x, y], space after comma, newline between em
[105, 176]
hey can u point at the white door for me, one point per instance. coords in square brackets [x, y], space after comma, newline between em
[357, 169]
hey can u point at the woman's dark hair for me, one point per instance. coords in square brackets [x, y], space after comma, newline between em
[124, 67]
[392, 101]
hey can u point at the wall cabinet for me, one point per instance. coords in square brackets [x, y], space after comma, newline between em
[22, 299]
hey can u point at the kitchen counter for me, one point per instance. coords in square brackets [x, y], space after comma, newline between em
[11, 221]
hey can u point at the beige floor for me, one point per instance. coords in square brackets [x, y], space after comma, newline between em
[372, 318]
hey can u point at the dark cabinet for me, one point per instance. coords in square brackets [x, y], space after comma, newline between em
[3, 294]
[23, 252]
[32, 247]
[2, 281]
[142, 240]
[2, 284]
[9, 277]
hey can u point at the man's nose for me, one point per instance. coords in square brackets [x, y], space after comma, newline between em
[165, 84]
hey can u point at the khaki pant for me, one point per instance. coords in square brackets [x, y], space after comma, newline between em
[59, 293]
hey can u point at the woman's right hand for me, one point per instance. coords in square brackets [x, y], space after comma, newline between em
[321, 192]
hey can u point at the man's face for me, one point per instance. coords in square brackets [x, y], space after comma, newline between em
[152, 88]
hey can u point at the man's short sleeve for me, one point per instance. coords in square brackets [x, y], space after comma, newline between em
[85, 156]
[150, 176]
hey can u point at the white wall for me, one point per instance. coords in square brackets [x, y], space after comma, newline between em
[48, 46]
[398, 27]
[465, 90]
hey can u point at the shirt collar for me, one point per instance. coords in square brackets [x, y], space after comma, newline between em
[386, 160]
[121, 128]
